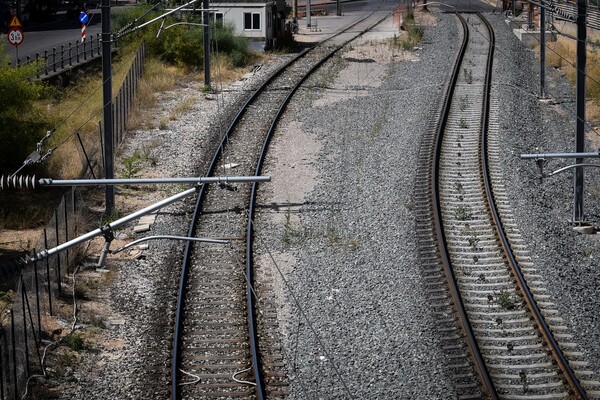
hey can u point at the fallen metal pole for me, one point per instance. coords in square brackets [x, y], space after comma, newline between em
[560, 155]
[106, 230]
[568, 167]
[169, 237]
[30, 182]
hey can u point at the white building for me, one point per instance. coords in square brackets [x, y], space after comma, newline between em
[258, 20]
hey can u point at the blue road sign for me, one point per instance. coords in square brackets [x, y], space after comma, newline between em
[83, 17]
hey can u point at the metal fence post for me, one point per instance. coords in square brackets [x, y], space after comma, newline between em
[77, 51]
[54, 59]
[46, 59]
[1, 373]
[70, 56]
[25, 326]
[58, 274]
[37, 294]
[62, 56]
[14, 354]
[84, 43]
[37, 61]
[48, 281]
[66, 231]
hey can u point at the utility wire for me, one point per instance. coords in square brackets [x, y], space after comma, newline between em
[305, 317]
[500, 51]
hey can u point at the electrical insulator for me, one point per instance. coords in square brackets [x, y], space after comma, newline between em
[17, 182]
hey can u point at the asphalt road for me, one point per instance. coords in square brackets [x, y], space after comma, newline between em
[53, 34]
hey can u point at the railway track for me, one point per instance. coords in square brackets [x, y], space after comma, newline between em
[226, 342]
[477, 268]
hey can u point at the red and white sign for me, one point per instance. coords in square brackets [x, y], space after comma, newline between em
[15, 36]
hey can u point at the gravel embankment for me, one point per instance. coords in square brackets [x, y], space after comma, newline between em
[131, 358]
[337, 221]
[567, 261]
[348, 245]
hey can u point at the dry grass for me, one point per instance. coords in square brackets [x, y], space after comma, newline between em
[79, 109]
[181, 107]
[562, 55]
[158, 77]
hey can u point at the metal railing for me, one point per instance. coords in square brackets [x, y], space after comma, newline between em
[60, 59]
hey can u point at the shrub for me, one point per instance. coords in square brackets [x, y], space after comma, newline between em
[21, 124]
[183, 45]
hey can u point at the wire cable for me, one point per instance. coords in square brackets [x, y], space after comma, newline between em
[305, 317]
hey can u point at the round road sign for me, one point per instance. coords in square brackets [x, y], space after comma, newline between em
[83, 17]
[15, 36]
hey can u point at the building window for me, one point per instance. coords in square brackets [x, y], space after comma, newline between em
[251, 21]
[216, 18]
[219, 19]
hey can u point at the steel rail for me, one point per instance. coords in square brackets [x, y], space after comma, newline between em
[195, 216]
[192, 228]
[254, 189]
[557, 353]
[476, 356]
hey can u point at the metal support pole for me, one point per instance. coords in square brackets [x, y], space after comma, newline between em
[338, 8]
[107, 102]
[580, 104]
[308, 13]
[205, 6]
[295, 11]
[542, 51]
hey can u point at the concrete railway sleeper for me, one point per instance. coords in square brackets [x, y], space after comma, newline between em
[513, 335]
[225, 341]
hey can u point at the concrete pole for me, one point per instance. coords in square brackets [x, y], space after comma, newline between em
[107, 101]
[308, 13]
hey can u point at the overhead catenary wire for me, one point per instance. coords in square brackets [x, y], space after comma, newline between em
[500, 51]
[318, 338]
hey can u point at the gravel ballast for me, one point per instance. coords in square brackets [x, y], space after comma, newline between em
[338, 224]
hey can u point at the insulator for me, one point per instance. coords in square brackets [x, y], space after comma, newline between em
[17, 182]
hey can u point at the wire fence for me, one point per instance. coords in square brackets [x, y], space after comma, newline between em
[124, 100]
[25, 323]
[38, 285]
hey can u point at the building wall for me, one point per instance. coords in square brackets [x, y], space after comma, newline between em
[233, 13]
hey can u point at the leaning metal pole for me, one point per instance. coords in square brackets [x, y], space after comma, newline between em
[107, 103]
[109, 227]
[580, 104]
